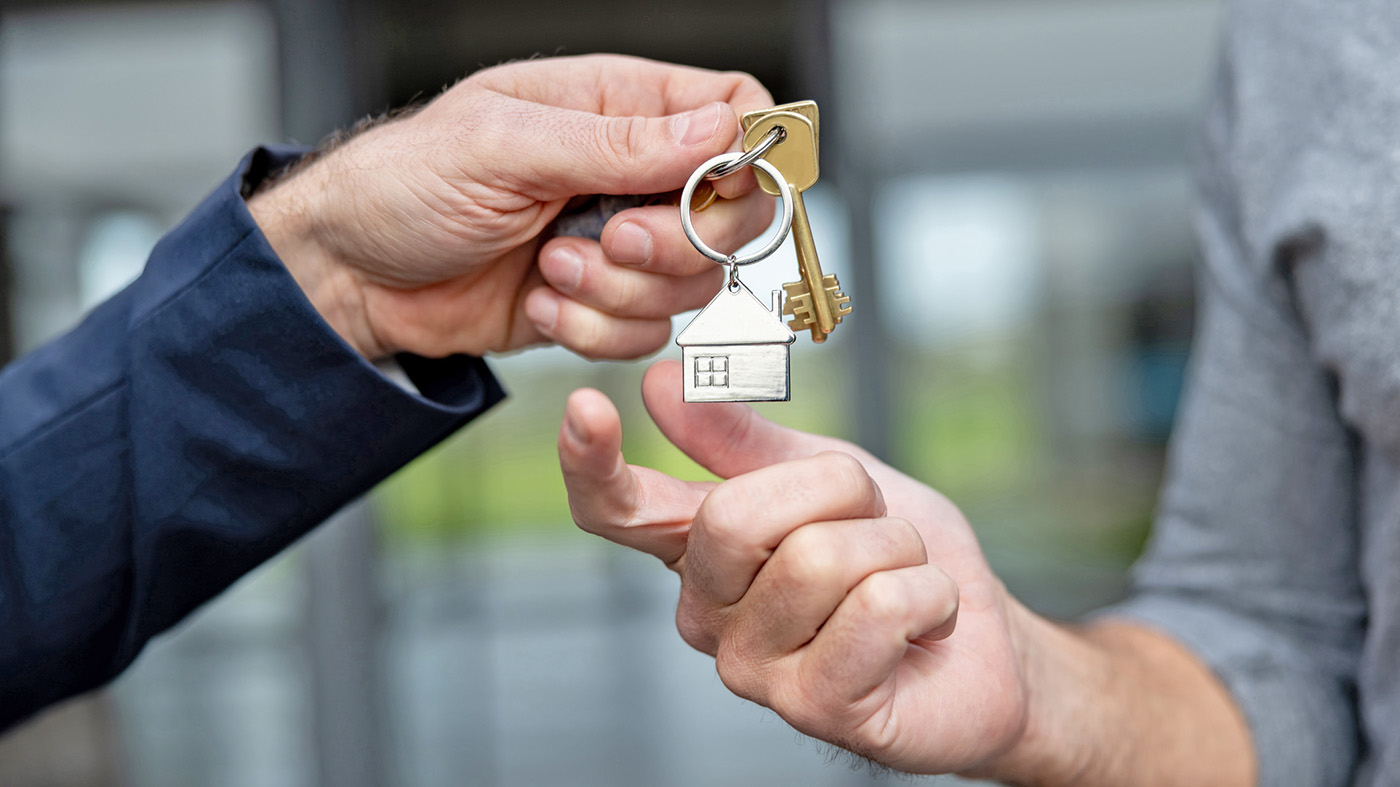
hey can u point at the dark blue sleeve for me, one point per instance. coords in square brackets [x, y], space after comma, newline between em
[190, 428]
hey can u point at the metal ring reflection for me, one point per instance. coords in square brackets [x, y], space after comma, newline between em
[784, 196]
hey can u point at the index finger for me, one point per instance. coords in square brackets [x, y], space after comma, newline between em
[634, 506]
[744, 519]
[619, 85]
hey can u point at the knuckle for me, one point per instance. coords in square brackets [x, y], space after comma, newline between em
[693, 627]
[728, 531]
[595, 335]
[875, 739]
[723, 513]
[883, 599]
[951, 596]
[584, 521]
[907, 538]
[844, 465]
[624, 295]
[746, 83]
[578, 331]
[808, 559]
[739, 673]
[623, 138]
[846, 472]
[802, 704]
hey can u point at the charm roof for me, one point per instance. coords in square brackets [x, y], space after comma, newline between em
[735, 317]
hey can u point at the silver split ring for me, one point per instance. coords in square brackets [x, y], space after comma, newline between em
[784, 196]
[775, 135]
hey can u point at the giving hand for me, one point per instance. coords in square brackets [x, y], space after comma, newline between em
[422, 234]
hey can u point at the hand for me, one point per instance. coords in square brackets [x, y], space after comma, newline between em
[847, 597]
[856, 603]
[422, 234]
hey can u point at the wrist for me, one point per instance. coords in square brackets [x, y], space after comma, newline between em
[1058, 670]
[289, 214]
[1117, 703]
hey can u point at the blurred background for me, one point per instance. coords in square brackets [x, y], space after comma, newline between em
[1005, 197]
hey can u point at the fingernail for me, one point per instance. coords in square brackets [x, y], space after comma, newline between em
[696, 126]
[574, 430]
[569, 267]
[631, 244]
[542, 307]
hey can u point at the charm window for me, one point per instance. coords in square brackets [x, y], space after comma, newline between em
[712, 371]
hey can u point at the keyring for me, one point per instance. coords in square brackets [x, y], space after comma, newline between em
[784, 195]
[775, 135]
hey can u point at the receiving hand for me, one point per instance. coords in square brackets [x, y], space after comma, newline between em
[422, 234]
[849, 598]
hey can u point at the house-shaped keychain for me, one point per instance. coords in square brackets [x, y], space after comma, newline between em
[736, 349]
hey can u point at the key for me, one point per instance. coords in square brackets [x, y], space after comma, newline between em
[796, 158]
[816, 302]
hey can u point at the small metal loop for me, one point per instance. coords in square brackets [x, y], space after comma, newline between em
[784, 196]
[733, 283]
[775, 135]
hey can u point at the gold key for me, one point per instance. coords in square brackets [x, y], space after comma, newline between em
[815, 302]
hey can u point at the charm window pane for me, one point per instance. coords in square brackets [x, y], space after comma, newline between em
[712, 371]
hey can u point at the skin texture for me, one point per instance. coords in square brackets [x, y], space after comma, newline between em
[422, 234]
[856, 603]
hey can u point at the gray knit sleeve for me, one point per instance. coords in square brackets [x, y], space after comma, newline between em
[1254, 560]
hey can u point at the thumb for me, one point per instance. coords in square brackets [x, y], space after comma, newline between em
[728, 439]
[585, 153]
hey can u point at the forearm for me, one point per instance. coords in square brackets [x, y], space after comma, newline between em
[1116, 703]
[189, 429]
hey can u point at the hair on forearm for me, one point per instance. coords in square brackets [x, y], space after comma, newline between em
[337, 139]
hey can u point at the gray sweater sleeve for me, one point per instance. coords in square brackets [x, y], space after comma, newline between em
[1254, 560]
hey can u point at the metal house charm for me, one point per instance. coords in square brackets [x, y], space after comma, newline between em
[736, 349]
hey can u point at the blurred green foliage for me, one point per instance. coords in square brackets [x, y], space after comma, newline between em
[973, 424]
[500, 475]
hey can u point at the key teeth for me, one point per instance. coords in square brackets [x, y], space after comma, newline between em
[840, 301]
[798, 303]
[840, 304]
[801, 311]
[794, 289]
